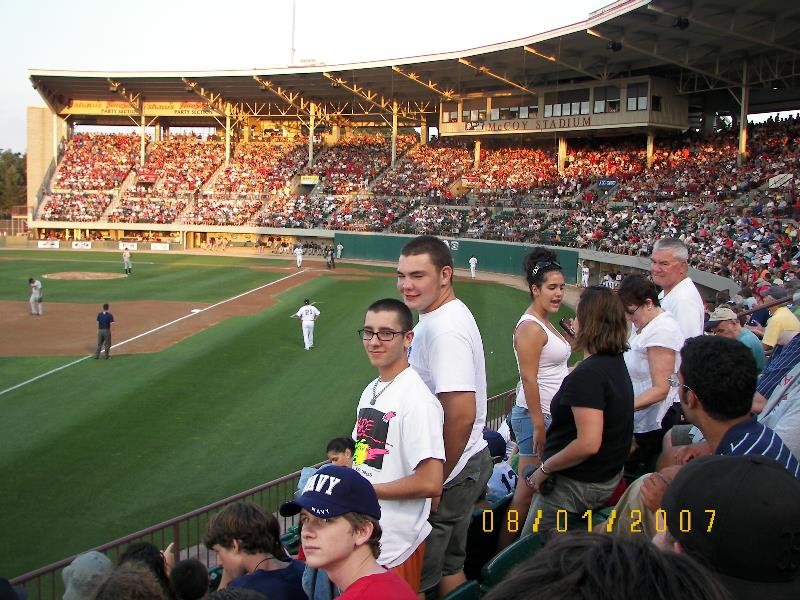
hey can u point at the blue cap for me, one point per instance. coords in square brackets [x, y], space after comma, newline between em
[333, 491]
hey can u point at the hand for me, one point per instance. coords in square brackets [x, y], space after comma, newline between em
[654, 487]
[169, 557]
[539, 437]
[684, 454]
[435, 503]
[536, 479]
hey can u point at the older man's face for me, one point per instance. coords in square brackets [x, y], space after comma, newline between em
[666, 270]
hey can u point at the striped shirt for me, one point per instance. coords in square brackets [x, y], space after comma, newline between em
[752, 438]
[779, 366]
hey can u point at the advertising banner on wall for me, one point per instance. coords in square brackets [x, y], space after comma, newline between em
[81, 245]
[128, 246]
[159, 246]
[48, 244]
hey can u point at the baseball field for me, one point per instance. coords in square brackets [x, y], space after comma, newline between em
[208, 391]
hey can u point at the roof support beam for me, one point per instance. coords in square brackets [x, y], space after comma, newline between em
[133, 98]
[49, 98]
[656, 55]
[726, 31]
[490, 73]
[380, 102]
[563, 63]
[429, 84]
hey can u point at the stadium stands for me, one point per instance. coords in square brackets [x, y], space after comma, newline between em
[96, 161]
[181, 163]
[263, 167]
[75, 206]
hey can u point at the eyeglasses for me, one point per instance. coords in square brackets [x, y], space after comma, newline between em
[384, 335]
[544, 264]
[675, 383]
[630, 312]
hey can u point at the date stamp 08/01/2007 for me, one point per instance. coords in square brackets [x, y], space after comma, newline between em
[585, 522]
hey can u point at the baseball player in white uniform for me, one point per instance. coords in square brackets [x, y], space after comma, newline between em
[473, 263]
[585, 276]
[339, 248]
[36, 296]
[126, 261]
[298, 255]
[308, 313]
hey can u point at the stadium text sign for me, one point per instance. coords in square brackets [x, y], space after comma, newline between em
[522, 125]
[153, 109]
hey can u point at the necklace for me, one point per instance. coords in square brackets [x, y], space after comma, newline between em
[260, 563]
[375, 389]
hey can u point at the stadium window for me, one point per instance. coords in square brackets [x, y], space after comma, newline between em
[454, 116]
[533, 110]
[548, 110]
[523, 112]
[585, 107]
[606, 99]
[637, 96]
[556, 110]
[495, 114]
[656, 103]
[449, 112]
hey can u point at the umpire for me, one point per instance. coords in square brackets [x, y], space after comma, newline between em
[104, 321]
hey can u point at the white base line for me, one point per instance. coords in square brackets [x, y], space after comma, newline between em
[136, 337]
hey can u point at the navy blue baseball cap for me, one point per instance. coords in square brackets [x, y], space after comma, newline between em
[333, 491]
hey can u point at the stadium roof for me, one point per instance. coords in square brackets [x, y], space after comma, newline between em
[703, 45]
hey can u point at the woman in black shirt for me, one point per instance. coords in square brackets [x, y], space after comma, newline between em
[590, 436]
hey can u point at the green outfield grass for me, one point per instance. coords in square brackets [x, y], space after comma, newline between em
[102, 449]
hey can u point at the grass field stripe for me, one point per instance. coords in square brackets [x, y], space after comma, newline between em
[50, 372]
[136, 337]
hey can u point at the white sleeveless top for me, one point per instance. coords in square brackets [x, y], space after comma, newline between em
[552, 365]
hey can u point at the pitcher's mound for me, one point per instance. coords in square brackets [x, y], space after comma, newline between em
[83, 275]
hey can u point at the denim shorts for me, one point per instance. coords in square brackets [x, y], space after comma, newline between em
[523, 429]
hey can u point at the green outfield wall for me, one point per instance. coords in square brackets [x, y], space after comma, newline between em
[498, 257]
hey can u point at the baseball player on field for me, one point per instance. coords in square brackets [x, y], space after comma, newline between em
[308, 313]
[473, 263]
[126, 261]
[298, 255]
[36, 297]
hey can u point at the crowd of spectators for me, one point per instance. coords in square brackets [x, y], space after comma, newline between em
[208, 211]
[181, 163]
[264, 167]
[332, 212]
[147, 210]
[432, 219]
[427, 171]
[75, 206]
[94, 161]
[352, 163]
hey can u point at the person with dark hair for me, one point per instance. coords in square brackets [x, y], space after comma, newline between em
[447, 352]
[587, 566]
[104, 321]
[189, 579]
[341, 533]
[755, 506]
[398, 430]
[716, 382]
[133, 580]
[340, 451]
[652, 356]
[590, 437]
[246, 539]
[542, 354]
[152, 558]
[669, 266]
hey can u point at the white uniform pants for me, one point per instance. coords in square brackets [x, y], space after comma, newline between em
[299, 258]
[308, 334]
[472, 271]
[584, 281]
[36, 306]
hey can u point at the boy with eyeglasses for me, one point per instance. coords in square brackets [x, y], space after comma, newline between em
[399, 443]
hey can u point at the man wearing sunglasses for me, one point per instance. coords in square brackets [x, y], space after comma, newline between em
[399, 443]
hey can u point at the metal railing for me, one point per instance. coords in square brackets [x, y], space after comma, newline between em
[186, 531]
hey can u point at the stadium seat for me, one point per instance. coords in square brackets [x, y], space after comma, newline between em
[291, 540]
[500, 566]
[469, 590]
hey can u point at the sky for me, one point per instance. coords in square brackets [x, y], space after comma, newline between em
[170, 35]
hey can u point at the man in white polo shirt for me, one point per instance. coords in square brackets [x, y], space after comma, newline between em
[447, 352]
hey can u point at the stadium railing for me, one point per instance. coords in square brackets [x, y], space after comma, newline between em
[186, 531]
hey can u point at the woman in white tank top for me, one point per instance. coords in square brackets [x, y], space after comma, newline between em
[542, 355]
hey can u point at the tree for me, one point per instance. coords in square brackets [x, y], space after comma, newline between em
[12, 180]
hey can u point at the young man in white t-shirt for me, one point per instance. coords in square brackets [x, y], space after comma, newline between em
[447, 352]
[399, 444]
[308, 314]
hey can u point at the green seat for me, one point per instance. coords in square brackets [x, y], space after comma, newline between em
[291, 540]
[469, 590]
[497, 569]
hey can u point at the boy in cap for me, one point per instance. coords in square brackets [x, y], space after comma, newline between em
[751, 544]
[339, 514]
[84, 575]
